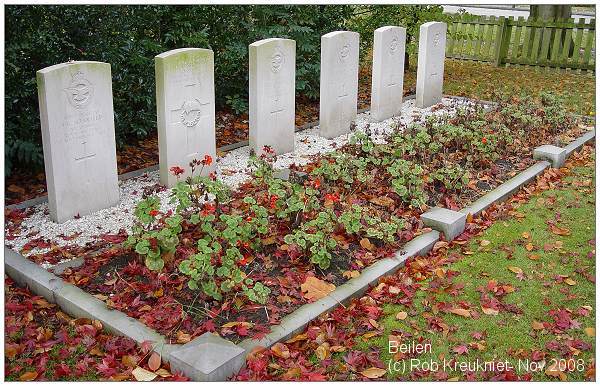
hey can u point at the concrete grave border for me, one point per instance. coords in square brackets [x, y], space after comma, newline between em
[78, 303]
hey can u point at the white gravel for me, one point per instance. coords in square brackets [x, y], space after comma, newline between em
[232, 169]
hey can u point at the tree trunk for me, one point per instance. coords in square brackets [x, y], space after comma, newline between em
[553, 13]
[550, 12]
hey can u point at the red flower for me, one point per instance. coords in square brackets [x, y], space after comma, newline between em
[243, 261]
[316, 184]
[484, 140]
[209, 208]
[332, 197]
[213, 176]
[207, 160]
[274, 199]
[154, 213]
[176, 171]
[268, 149]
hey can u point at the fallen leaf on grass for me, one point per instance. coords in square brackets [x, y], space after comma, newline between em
[163, 373]
[143, 375]
[489, 311]
[129, 360]
[281, 350]
[182, 337]
[559, 231]
[315, 289]
[485, 243]
[28, 376]
[553, 371]
[590, 331]
[526, 235]
[373, 372]
[154, 361]
[323, 351]
[461, 312]
[297, 338]
[570, 281]
[234, 324]
[537, 325]
[401, 315]
[516, 270]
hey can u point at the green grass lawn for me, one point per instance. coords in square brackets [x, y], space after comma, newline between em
[484, 80]
[554, 269]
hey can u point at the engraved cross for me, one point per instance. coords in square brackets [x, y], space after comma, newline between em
[84, 155]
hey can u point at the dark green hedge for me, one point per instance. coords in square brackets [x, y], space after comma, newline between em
[128, 37]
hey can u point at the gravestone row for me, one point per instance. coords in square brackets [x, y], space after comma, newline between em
[76, 108]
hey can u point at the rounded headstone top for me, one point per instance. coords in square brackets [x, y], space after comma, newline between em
[389, 28]
[176, 51]
[432, 23]
[70, 63]
[272, 40]
[339, 33]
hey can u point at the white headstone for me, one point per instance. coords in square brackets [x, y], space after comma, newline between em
[430, 68]
[78, 135]
[339, 82]
[185, 103]
[388, 72]
[272, 94]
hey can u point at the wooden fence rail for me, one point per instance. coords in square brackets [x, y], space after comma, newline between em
[562, 44]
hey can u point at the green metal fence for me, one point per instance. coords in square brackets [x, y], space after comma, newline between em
[562, 44]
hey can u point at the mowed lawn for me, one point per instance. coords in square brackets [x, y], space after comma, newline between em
[523, 290]
[484, 81]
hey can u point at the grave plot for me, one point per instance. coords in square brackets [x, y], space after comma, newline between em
[202, 256]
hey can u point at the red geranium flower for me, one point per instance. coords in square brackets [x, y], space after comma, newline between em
[243, 261]
[484, 140]
[153, 213]
[176, 171]
[316, 184]
[332, 197]
[207, 160]
[274, 199]
[212, 176]
[208, 209]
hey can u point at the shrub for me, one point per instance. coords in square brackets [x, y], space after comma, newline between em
[367, 18]
[128, 37]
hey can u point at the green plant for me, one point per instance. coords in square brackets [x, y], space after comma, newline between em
[453, 178]
[407, 182]
[228, 240]
[358, 221]
[155, 235]
[314, 237]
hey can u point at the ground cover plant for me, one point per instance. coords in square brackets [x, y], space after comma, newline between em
[232, 261]
[518, 284]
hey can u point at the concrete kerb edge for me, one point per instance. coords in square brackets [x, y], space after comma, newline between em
[579, 142]
[297, 320]
[504, 191]
[78, 303]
